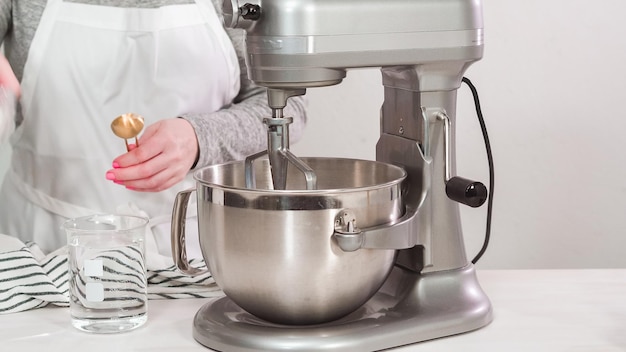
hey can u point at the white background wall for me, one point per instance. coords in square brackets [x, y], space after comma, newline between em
[552, 85]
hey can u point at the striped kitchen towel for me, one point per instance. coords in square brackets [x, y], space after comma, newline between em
[30, 279]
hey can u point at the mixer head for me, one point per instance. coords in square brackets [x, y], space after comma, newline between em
[303, 44]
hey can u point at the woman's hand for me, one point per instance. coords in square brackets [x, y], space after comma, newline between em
[7, 77]
[9, 93]
[166, 153]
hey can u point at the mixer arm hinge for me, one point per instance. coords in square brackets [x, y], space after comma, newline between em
[400, 234]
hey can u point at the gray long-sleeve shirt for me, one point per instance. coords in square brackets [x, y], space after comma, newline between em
[228, 134]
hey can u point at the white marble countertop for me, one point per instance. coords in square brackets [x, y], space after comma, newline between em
[534, 310]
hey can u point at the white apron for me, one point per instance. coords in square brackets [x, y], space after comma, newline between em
[88, 64]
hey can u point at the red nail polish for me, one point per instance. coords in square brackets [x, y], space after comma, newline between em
[131, 188]
[119, 182]
[116, 165]
[110, 176]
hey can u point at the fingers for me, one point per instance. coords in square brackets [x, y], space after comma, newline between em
[136, 155]
[7, 77]
[155, 175]
[162, 158]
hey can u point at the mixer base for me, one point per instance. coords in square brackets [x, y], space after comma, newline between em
[409, 308]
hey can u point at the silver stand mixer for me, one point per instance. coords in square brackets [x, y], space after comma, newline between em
[423, 48]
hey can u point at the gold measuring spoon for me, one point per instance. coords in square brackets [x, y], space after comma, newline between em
[127, 126]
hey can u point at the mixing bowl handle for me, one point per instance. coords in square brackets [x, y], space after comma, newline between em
[179, 248]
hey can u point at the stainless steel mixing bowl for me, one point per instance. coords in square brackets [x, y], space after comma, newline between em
[272, 251]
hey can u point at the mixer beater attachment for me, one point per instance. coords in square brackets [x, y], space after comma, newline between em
[278, 151]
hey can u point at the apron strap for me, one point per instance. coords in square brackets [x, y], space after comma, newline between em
[53, 205]
[68, 210]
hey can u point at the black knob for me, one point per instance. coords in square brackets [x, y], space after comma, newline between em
[250, 12]
[466, 191]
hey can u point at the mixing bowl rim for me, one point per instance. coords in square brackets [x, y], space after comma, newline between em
[327, 191]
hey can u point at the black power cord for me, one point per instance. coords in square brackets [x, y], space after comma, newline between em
[483, 128]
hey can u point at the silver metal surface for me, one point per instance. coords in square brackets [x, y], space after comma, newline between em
[279, 156]
[310, 43]
[408, 308]
[179, 252]
[278, 143]
[273, 252]
[423, 48]
[447, 142]
[423, 155]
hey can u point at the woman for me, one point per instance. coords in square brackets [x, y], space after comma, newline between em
[81, 63]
